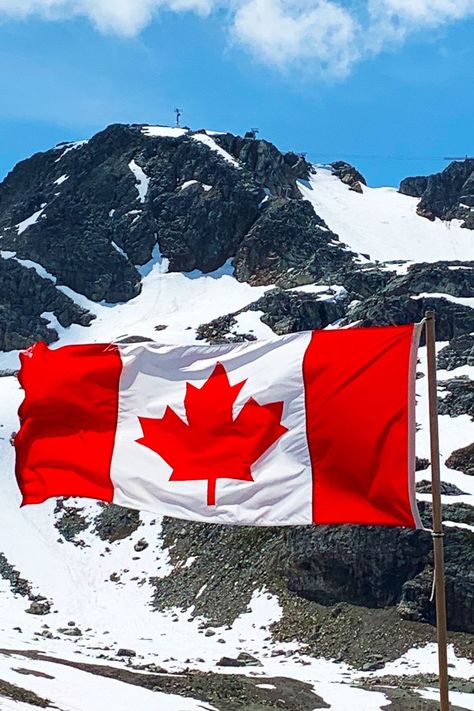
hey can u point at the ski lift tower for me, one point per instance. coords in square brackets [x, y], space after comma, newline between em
[178, 113]
[252, 134]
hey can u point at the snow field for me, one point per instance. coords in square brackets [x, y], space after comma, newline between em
[383, 223]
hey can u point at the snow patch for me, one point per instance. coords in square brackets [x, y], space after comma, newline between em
[31, 220]
[29, 264]
[463, 301]
[188, 184]
[142, 180]
[66, 148]
[457, 698]
[61, 179]
[163, 131]
[251, 322]
[119, 250]
[338, 292]
[213, 146]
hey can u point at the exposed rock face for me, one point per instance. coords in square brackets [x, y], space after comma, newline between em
[271, 169]
[459, 553]
[289, 246]
[96, 225]
[91, 213]
[414, 186]
[24, 297]
[447, 195]
[459, 398]
[198, 228]
[452, 319]
[459, 352]
[114, 523]
[289, 312]
[284, 311]
[363, 281]
[331, 564]
[447, 489]
[454, 278]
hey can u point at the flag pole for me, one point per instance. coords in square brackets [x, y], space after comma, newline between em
[438, 535]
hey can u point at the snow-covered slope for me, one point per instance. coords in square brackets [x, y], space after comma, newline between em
[100, 592]
[384, 224]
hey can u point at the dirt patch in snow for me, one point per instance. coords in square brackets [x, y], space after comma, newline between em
[228, 692]
[16, 693]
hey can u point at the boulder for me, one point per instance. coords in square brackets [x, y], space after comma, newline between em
[243, 660]
[349, 175]
[447, 489]
[126, 653]
[41, 607]
[115, 523]
[141, 545]
[462, 460]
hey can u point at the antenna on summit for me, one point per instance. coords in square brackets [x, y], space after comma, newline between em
[178, 113]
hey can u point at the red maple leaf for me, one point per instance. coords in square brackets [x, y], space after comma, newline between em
[212, 444]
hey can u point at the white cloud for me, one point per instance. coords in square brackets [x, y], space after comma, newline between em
[281, 32]
[394, 20]
[325, 36]
[124, 17]
[432, 12]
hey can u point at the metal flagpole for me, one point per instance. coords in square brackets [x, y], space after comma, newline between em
[438, 546]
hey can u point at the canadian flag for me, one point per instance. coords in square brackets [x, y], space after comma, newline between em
[314, 427]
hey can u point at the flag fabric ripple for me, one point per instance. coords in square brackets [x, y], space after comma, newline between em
[309, 428]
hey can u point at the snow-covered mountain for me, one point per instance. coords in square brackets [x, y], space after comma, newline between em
[148, 232]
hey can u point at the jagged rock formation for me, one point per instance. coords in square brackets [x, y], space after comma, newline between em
[349, 175]
[289, 246]
[454, 278]
[459, 352]
[459, 397]
[24, 298]
[452, 319]
[448, 195]
[91, 213]
[274, 171]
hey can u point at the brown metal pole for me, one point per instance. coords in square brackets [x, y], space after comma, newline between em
[438, 546]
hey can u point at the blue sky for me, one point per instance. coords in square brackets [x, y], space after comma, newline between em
[393, 108]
